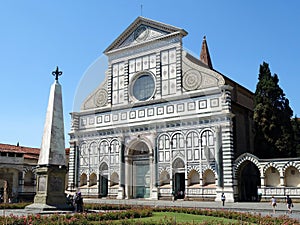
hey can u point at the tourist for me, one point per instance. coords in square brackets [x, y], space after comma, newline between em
[223, 199]
[78, 202]
[273, 203]
[289, 203]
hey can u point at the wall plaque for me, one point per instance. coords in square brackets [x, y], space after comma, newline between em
[42, 183]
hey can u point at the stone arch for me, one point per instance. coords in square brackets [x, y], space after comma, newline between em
[209, 177]
[162, 168]
[272, 176]
[163, 141]
[193, 177]
[103, 147]
[103, 167]
[247, 173]
[139, 146]
[206, 129]
[207, 140]
[196, 168]
[292, 176]
[32, 169]
[83, 147]
[138, 168]
[177, 144]
[93, 179]
[93, 144]
[191, 132]
[83, 179]
[115, 145]
[269, 165]
[178, 177]
[103, 179]
[114, 179]
[84, 154]
[288, 164]
[178, 163]
[164, 178]
[243, 158]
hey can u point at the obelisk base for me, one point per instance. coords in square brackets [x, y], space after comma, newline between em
[50, 189]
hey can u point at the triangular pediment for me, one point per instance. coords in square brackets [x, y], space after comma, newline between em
[143, 30]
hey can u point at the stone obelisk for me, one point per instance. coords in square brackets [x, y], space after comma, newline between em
[51, 169]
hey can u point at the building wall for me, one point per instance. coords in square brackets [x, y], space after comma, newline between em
[187, 129]
[18, 169]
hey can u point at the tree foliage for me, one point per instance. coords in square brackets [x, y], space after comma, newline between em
[272, 117]
[296, 129]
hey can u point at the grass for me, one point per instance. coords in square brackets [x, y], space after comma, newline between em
[185, 218]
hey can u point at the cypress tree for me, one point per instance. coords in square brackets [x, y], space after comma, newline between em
[296, 129]
[272, 117]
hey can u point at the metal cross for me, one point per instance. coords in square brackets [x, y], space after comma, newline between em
[56, 73]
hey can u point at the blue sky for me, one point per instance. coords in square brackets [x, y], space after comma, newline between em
[36, 36]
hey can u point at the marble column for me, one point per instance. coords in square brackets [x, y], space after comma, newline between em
[127, 178]
[121, 191]
[154, 194]
[72, 167]
[219, 156]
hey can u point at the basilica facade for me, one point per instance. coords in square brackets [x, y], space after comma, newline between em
[165, 123]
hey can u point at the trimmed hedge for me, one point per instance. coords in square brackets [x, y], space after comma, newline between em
[123, 214]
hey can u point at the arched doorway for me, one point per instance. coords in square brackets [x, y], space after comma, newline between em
[138, 172]
[248, 182]
[103, 182]
[179, 178]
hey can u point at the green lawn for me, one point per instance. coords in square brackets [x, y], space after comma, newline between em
[161, 217]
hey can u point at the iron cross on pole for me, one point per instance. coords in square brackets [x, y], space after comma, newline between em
[56, 73]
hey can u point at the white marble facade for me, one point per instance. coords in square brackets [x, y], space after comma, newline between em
[161, 122]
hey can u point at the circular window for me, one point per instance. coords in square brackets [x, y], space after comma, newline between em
[143, 87]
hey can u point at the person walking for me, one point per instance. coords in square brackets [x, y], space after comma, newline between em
[223, 198]
[273, 203]
[289, 204]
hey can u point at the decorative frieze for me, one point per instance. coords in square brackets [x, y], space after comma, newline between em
[160, 111]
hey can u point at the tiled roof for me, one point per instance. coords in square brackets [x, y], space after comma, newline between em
[18, 149]
[29, 153]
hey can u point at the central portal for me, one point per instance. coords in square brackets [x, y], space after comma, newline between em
[141, 179]
[138, 163]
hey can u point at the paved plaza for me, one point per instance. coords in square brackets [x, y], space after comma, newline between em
[263, 208]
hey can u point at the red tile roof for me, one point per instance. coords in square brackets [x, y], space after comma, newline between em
[18, 149]
[29, 153]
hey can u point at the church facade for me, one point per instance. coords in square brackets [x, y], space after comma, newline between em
[165, 123]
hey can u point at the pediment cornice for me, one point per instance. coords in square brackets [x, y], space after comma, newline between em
[141, 30]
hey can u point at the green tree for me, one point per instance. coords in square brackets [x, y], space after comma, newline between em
[296, 129]
[272, 117]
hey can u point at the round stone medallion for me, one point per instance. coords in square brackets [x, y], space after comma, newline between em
[101, 98]
[191, 80]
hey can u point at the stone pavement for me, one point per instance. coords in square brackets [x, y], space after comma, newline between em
[263, 208]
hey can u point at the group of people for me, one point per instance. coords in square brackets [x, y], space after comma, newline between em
[76, 201]
[177, 195]
[289, 204]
